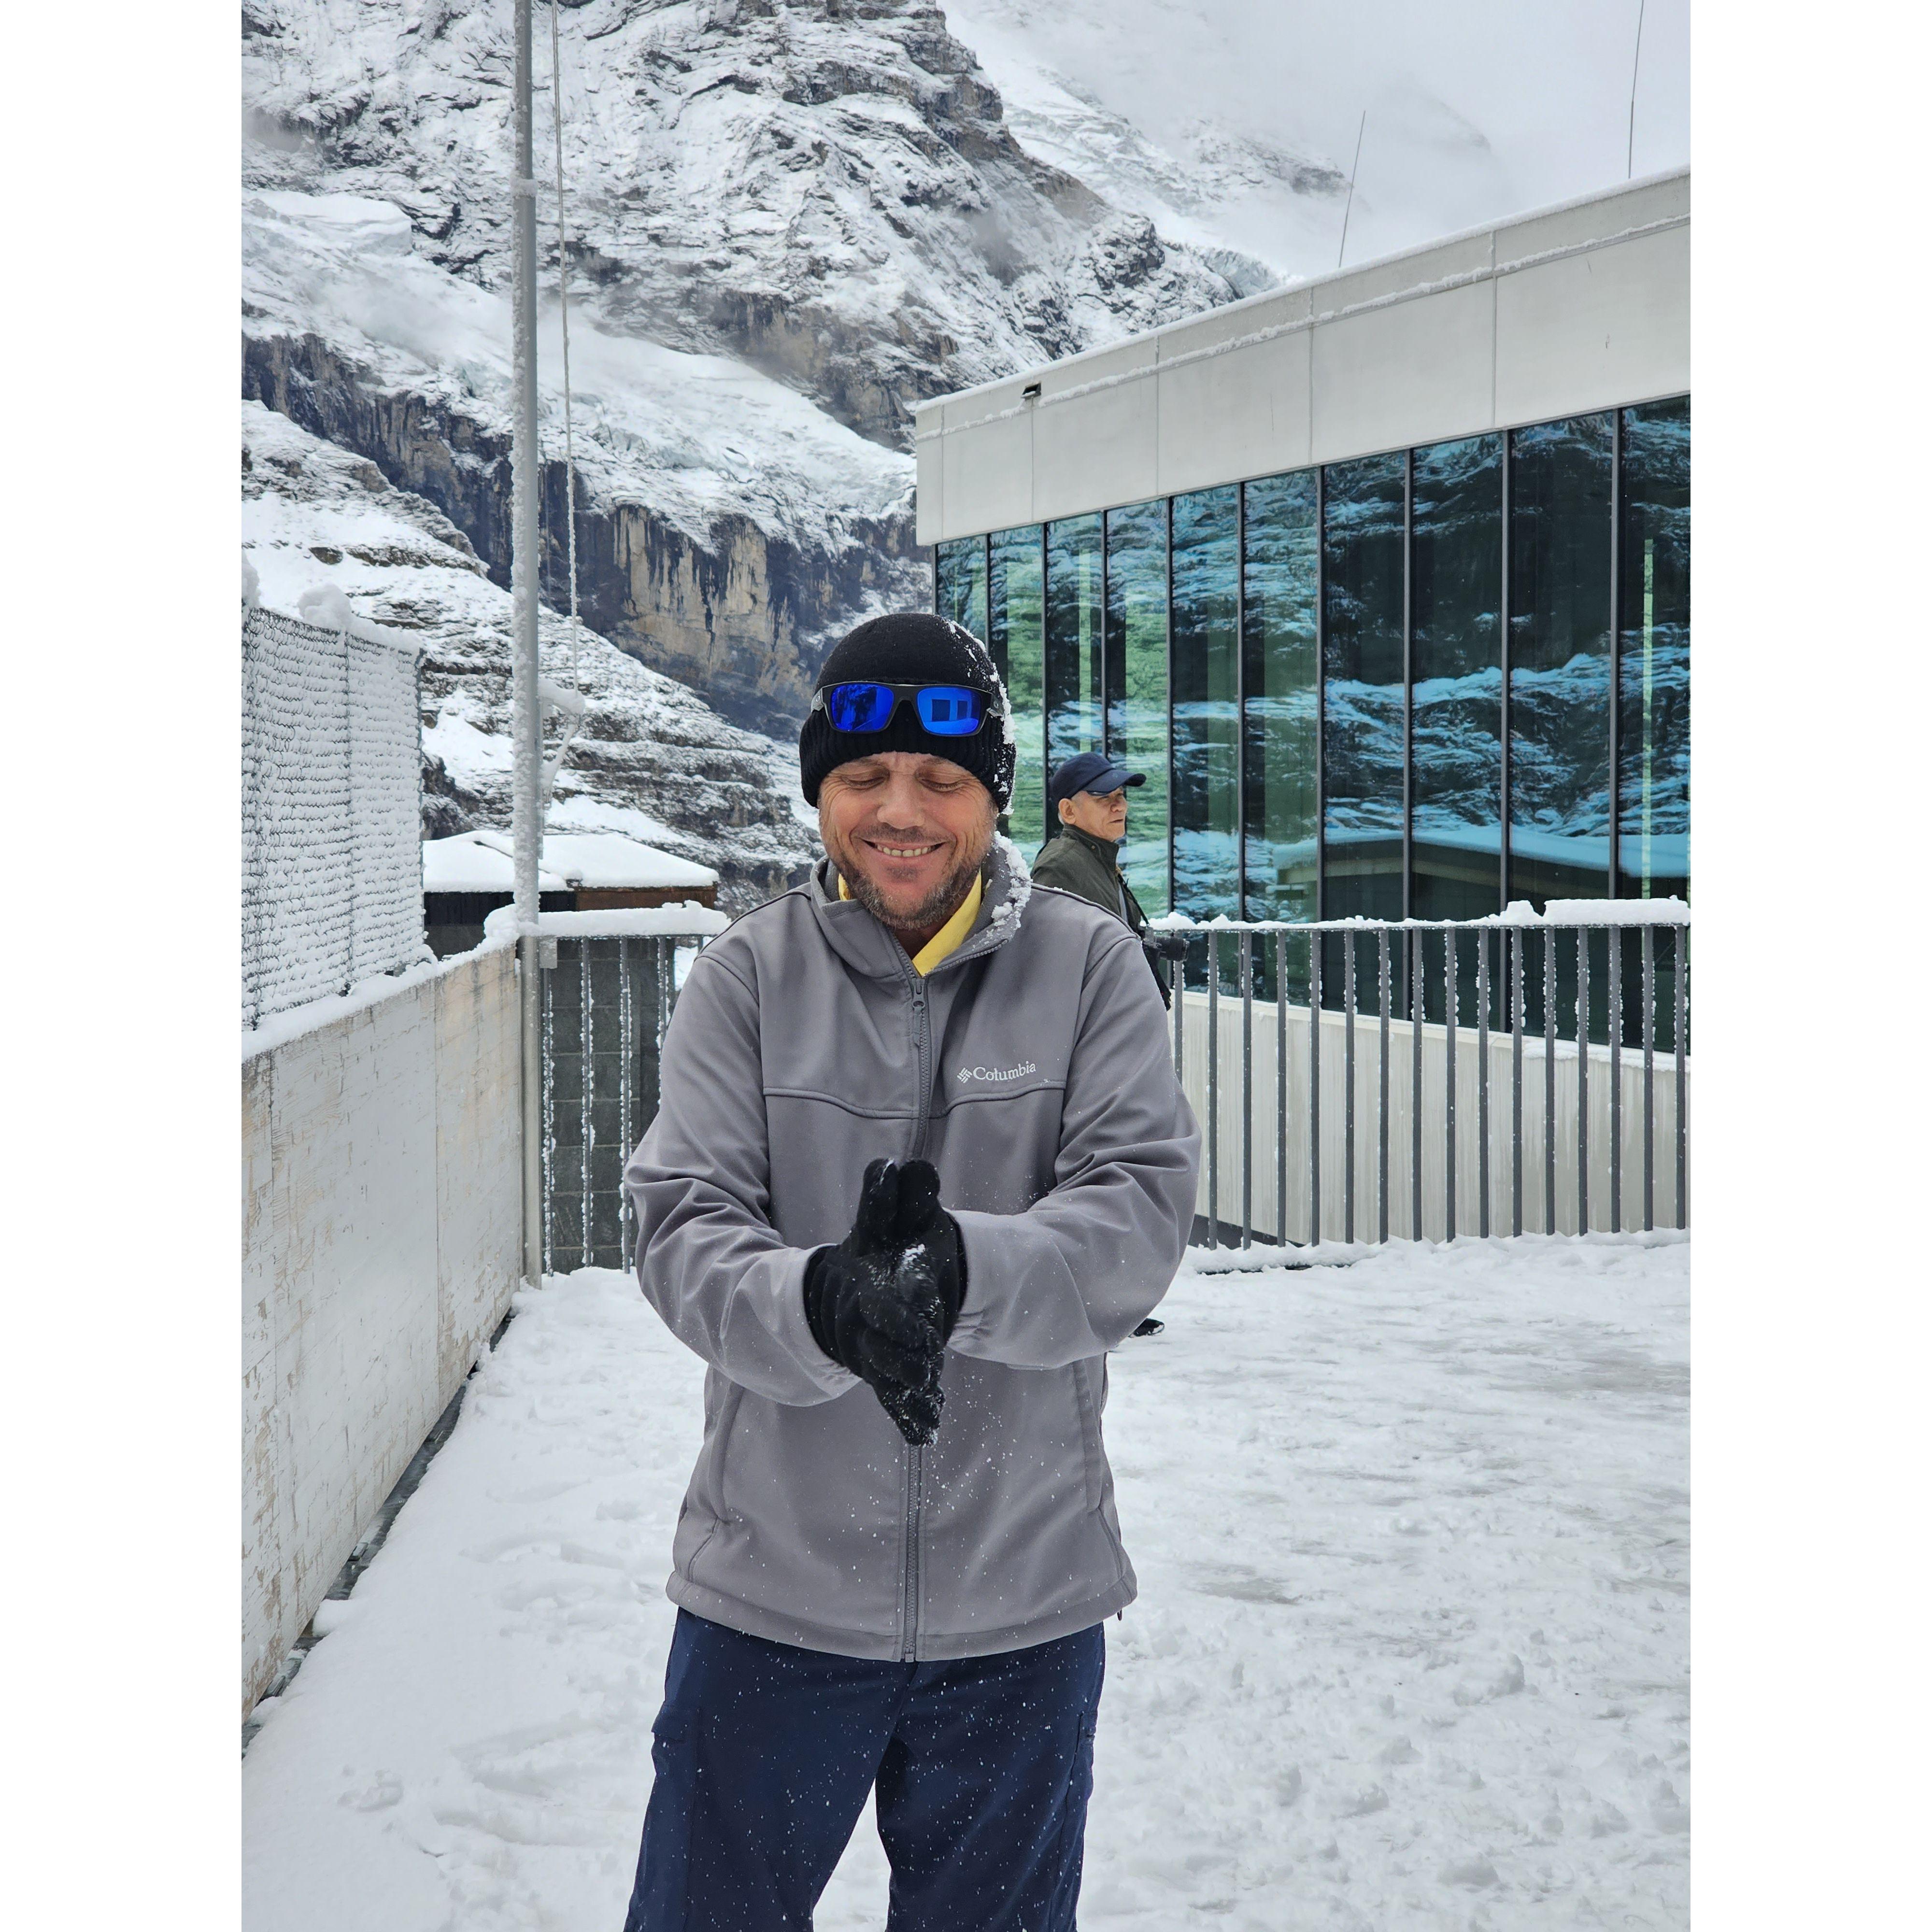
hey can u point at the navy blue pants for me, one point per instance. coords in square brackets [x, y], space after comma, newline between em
[765, 1753]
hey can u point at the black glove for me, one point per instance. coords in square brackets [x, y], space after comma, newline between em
[878, 1312]
[922, 1227]
[1168, 945]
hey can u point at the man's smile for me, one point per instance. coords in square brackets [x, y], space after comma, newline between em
[900, 851]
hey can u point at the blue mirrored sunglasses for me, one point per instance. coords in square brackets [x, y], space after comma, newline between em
[946, 710]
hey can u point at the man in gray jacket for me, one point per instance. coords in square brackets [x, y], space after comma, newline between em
[920, 1162]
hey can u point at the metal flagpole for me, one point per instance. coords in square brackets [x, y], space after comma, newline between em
[526, 720]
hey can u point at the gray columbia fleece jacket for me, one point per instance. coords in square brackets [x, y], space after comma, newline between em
[1032, 1069]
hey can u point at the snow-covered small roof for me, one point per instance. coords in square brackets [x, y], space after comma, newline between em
[483, 862]
[477, 862]
[609, 860]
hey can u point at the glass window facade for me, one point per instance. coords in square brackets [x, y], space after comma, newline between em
[1559, 745]
[1015, 633]
[960, 584]
[1138, 717]
[1418, 684]
[1075, 625]
[1364, 751]
[1654, 702]
[1207, 680]
[1455, 685]
[1281, 577]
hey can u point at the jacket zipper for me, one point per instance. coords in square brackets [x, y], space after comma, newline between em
[916, 1473]
[922, 1047]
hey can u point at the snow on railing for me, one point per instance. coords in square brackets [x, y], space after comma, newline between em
[331, 778]
[1347, 1082]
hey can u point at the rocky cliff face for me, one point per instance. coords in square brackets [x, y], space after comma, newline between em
[810, 203]
[741, 615]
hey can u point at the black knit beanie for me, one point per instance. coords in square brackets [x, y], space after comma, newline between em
[911, 647]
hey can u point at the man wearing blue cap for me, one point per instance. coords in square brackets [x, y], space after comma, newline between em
[1089, 794]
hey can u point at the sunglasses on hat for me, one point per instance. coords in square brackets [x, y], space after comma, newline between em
[946, 710]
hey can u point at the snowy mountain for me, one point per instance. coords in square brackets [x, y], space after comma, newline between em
[788, 224]
[652, 758]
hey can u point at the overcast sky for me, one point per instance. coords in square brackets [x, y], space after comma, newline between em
[1546, 81]
[1476, 108]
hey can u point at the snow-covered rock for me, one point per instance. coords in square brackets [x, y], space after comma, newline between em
[322, 527]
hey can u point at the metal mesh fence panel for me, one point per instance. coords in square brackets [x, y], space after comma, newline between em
[331, 776]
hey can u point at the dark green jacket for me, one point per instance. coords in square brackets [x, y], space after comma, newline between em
[1076, 862]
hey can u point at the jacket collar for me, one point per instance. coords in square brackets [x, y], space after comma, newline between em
[867, 948]
[1106, 850]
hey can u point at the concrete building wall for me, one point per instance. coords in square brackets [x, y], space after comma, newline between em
[1575, 308]
[382, 1207]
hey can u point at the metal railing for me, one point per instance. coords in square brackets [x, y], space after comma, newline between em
[607, 999]
[1356, 1081]
[1360, 1079]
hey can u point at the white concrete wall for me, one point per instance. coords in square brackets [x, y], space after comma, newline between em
[1401, 1158]
[381, 1214]
[1580, 308]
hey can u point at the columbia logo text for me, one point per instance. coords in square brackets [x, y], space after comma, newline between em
[968, 1074]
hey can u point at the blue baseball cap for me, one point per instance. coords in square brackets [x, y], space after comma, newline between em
[1088, 771]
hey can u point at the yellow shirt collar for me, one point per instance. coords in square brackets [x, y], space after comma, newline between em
[950, 936]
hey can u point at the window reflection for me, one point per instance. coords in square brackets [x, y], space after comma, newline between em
[1653, 733]
[1015, 632]
[1363, 695]
[1084, 644]
[1207, 704]
[1075, 622]
[1456, 663]
[1280, 749]
[1137, 694]
[1560, 660]
[962, 584]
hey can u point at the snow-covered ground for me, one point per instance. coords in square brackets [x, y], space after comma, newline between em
[1411, 1647]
